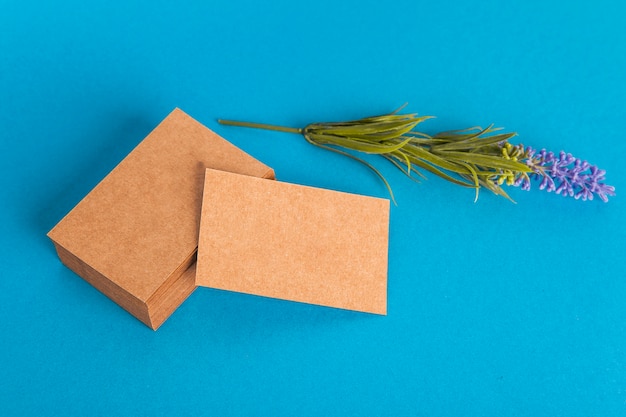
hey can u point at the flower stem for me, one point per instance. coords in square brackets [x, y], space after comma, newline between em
[259, 126]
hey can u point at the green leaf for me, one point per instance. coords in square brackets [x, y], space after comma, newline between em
[484, 160]
[474, 143]
[356, 144]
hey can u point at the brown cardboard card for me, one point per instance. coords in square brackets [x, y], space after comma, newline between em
[135, 235]
[293, 242]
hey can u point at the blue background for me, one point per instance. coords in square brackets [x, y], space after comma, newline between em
[495, 309]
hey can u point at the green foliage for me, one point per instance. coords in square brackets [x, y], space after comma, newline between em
[472, 157]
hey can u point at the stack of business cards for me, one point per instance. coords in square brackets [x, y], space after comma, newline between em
[186, 194]
[135, 235]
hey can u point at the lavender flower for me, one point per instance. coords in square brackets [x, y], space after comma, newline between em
[474, 157]
[564, 174]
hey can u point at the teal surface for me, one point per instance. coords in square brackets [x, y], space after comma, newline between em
[495, 308]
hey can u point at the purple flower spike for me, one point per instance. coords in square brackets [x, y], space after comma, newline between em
[565, 175]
